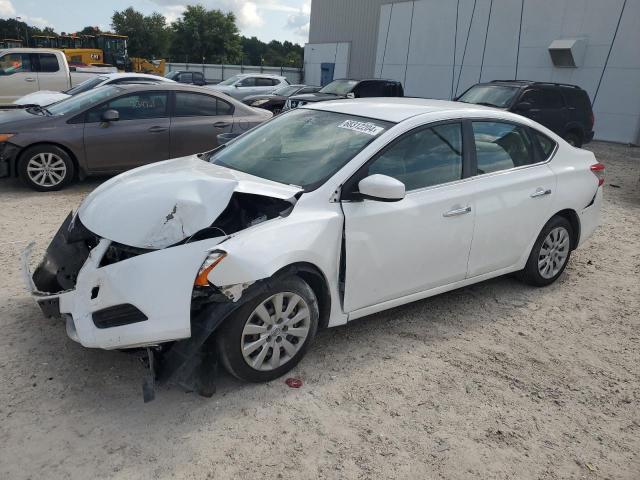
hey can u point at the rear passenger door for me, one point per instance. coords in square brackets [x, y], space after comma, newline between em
[196, 121]
[512, 191]
[547, 108]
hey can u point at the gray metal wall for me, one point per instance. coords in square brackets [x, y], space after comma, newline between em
[215, 73]
[438, 48]
[354, 21]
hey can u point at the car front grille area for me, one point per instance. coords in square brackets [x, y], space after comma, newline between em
[66, 254]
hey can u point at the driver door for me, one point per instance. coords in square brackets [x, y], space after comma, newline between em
[394, 249]
[140, 136]
[17, 76]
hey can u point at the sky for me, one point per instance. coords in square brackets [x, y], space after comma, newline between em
[266, 19]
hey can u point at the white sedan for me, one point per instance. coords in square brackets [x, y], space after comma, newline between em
[43, 98]
[323, 215]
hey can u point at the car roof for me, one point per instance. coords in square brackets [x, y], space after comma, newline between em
[257, 74]
[398, 109]
[525, 83]
[135, 75]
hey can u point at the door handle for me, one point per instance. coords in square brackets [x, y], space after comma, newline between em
[29, 79]
[540, 192]
[221, 124]
[157, 129]
[457, 211]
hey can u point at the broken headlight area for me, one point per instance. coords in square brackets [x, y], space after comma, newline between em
[65, 256]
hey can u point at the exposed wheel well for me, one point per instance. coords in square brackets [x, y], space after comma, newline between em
[318, 283]
[572, 217]
[577, 130]
[38, 144]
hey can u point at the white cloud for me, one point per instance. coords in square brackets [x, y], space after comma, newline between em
[7, 10]
[299, 21]
[173, 12]
[248, 16]
[38, 22]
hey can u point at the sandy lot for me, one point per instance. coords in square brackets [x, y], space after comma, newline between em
[498, 380]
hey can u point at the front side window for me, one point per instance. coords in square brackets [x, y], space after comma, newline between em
[81, 101]
[134, 106]
[15, 63]
[48, 62]
[302, 147]
[423, 158]
[197, 105]
[230, 80]
[247, 82]
[490, 95]
[501, 146]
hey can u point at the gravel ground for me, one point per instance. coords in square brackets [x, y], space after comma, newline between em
[497, 380]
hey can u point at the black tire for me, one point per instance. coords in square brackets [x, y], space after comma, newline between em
[230, 338]
[531, 273]
[573, 138]
[53, 179]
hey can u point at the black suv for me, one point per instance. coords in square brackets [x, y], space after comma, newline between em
[187, 76]
[563, 108]
[345, 88]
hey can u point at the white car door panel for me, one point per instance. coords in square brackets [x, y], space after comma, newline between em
[393, 249]
[17, 77]
[513, 200]
[50, 76]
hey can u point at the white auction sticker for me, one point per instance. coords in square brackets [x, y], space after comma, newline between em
[362, 127]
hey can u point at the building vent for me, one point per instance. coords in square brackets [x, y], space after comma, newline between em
[568, 52]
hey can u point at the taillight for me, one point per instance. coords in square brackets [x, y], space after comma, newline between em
[598, 171]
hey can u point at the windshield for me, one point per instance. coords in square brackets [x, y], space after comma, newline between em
[339, 87]
[230, 80]
[172, 75]
[86, 85]
[493, 95]
[286, 91]
[303, 147]
[77, 103]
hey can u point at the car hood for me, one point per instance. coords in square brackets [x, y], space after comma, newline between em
[42, 98]
[17, 119]
[269, 96]
[158, 205]
[316, 97]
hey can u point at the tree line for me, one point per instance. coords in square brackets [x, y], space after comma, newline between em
[198, 36]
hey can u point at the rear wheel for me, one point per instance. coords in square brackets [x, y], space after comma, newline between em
[550, 254]
[574, 139]
[45, 168]
[269, 335]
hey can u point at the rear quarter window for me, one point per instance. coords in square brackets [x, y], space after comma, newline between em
[547, 146]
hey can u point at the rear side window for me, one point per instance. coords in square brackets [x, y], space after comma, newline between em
[577, 98]
[264, 82]
[423, 158]
[547, 146]
[186, 77]
[48, 62]
[543, 98]
[501, 146]
[197, 105]
[197, 76]
[370, 89]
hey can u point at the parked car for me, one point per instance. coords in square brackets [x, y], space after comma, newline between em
[43, 98]
[243, 85]
[345, 88]
[187, 76]
[275, 101]
[563, 108]
[114, 128]
[323, 215]
[27, 70]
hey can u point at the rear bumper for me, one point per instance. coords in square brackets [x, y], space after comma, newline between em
[590, 217]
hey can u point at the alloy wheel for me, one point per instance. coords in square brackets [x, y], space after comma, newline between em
[275, 331]
[553, 252]
[46, 170]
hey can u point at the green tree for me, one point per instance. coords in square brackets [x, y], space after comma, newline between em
[148, 35]
[208, 36]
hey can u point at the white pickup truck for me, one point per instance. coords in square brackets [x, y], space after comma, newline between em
[27, 70]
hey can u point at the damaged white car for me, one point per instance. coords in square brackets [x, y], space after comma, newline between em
[320, 216]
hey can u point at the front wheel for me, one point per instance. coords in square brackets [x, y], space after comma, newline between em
[268, 336]
[45, 168]
[550, 254]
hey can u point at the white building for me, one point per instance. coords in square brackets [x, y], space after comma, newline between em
[438, 48]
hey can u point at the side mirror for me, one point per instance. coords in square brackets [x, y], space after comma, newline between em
[110, 116]
[382, 188]
[523, 107]
[351, 95]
